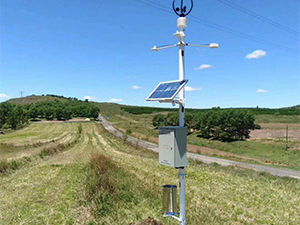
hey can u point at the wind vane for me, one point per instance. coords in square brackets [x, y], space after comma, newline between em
[181, 11]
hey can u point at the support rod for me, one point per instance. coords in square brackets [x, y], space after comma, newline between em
[182, 196]
[181, 93]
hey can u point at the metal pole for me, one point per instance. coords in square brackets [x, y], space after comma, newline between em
[182, 196]
[287, 138]
[181, 124]
[181, 93]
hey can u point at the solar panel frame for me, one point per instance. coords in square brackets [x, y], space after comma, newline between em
[169, 99]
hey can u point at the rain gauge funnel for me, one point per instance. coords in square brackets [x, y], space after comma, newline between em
[169, 200]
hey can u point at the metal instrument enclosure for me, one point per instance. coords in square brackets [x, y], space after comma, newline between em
[172, 146]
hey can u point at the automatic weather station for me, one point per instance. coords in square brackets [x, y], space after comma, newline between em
[173, 139]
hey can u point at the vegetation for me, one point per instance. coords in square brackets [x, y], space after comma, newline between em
[14, 116]
[158, 120]
[7, 166]
[31, 99]
[145, 110]
[101, 180]
[267, 152]
[277, 118]
[270, 152]
[171, 119]
[61, 110]
[288, 111]
[224, 125]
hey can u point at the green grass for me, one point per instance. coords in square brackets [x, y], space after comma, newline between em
[140, 125]
[42, 195]
[215, 195]
[37, 139]
[267, 152]
[277, 119]
[31, 99]
[272, 153]
[125, 187]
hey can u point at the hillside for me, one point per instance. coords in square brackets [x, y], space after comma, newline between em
[36, 98]
[118, 108]
[16, 113]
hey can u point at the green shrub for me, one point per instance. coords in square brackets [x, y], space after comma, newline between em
[257, 126]
[5, 126]
[158, 120]
[4, 166]
[102, 189]
[172, 119]
[128, 131]
[79, 129]
[14, 165]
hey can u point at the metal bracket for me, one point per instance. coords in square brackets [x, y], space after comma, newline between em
[173, 216]
[174, 101]
[180, 35]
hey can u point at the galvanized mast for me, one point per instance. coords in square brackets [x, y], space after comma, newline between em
[168, 159]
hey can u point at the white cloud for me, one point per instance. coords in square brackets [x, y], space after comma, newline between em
[188, 88]
[261, 91]
[256, 54]
[4, 96]
[204, 66]
[115, 100]
[89, 98]
[135, 87]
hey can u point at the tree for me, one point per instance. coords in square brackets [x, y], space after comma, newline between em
[33, 112]
[16, 117]
[5, 108]
[158, 120]
[225, 125]
[172, 119]
[189, 121]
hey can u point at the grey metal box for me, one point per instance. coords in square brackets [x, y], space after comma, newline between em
[172, 146]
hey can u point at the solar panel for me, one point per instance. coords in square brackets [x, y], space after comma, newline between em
[166, 91]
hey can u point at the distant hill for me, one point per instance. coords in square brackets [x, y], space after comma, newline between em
[37, 98]
[119, 109]
[16, 112]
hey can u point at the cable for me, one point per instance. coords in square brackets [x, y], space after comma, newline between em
[258, 16]
[215, 25]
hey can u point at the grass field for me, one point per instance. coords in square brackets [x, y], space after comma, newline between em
[277, 119]
[70, 186]
[264, 151]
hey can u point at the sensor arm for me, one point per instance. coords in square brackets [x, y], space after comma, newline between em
[155, 48]
[212, 45]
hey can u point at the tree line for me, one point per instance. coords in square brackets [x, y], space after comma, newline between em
[223, 125]
[288, 111]
[14, 116]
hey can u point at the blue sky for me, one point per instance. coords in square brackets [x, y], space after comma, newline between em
[102, 49]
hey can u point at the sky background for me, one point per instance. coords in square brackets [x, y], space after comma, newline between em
[101, 50]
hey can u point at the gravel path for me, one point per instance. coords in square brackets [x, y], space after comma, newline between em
[203, 158]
